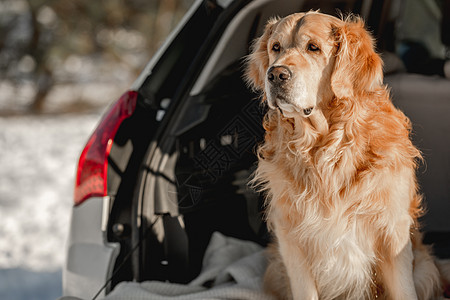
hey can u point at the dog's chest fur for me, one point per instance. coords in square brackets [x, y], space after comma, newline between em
[334, 241]
[324, 200]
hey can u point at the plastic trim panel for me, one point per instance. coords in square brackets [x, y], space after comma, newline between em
[90, 259]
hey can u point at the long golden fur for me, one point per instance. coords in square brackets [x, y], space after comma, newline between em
[337, 165]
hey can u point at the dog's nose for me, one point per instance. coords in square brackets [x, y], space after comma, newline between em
[279, 74]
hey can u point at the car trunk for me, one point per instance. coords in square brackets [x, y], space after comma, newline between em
[195, 140]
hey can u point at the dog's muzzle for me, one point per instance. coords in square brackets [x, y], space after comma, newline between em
[279, 79]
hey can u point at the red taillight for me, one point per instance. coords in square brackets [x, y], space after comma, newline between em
[93, 163]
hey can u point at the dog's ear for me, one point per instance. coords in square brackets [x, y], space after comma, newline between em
[358, 68]
[257, 62]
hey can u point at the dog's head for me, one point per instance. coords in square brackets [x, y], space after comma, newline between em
[307, 59]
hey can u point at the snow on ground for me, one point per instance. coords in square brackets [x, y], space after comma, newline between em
[38, 157]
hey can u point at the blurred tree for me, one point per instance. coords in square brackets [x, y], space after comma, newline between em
[43, 28]
[43, 41]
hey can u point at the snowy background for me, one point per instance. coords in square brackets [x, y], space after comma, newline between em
[37, 166]
[61, 64]
[39, 154]
[38, 159]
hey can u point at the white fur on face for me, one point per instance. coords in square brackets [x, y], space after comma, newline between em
[311, 70]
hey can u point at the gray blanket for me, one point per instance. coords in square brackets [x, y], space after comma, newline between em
[234, 266]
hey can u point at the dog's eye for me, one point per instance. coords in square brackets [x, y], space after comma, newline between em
[276, 47]
[313, 47]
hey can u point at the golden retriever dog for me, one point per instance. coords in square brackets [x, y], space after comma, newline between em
[337, 166]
